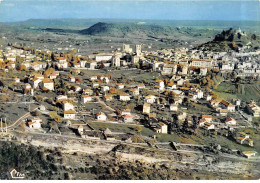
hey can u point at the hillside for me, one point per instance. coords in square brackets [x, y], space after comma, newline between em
[132, 30]
[232, 39]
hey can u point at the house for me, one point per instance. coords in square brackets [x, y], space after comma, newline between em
[142, 86]
[208, 97]
[67, 105]
[182, 116]
[230, 121]
[105, 80]
[199, 94]
[86, 98]
[236, 102]
[253, 109]
[27, 86]
[17, 80]
[76, 65]
[104, 88]
[222, 112]
[47, 84]
[146, 108]
[208, 126]
[203, 71]
[34, 82]
[120, 86]
[127, 118]
[161, 128]
[80, 129]
[54, 75]
[61, 98]
[173, 107]
[180, 82]
[160, 85]
[34, 123]
[201, 63]
[150, 99]
[83, 63]
[61, 63]
[244, 138]
[101, 116]
[249, 154]
[91, 65]
[76, 88]
[101, 77]
[93, 78]
[69, 114]
[88, 92]
[126, 111]
[72, 79]
[230, 107]
[124, 97]
[42, 108]
[134, 91]
[207, 118]
[95, 85]
[108, 97]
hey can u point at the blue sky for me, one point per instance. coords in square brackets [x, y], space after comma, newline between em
[18, 10]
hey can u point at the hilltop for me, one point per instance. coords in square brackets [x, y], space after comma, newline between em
[232, 39]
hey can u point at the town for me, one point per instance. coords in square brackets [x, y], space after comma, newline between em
[180, 98]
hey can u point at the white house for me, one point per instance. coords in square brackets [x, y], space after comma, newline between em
[86, 98]
[104, 88]
[161, 128]
[146, 108]
[134, 91]
[230, 121]
[88, 92]
[34, 82]
[101, 116]
[69, 114]
[35, 123]
[67, 106]
[124, 97]
[72, 79]
[120, 86]
[173, 107]
[150, 99]
[127, 118]
[47, 84]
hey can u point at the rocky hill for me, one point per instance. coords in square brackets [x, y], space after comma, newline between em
[232, 39]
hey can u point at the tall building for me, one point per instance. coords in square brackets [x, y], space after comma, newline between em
[127, 49]
[138, 50]
[135, 60]
[116, 61]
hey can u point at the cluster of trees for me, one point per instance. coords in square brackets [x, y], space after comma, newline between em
[211, 81]
[53, 115]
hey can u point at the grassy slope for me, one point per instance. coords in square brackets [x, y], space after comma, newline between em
[227, 90]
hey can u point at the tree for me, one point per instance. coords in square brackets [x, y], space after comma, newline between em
[39, 98]
[185, 125]
[139, 129]
[57, 119]
[53, 114]
[78, 80]
[22, 68]
[37, 113]
[112, 91]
